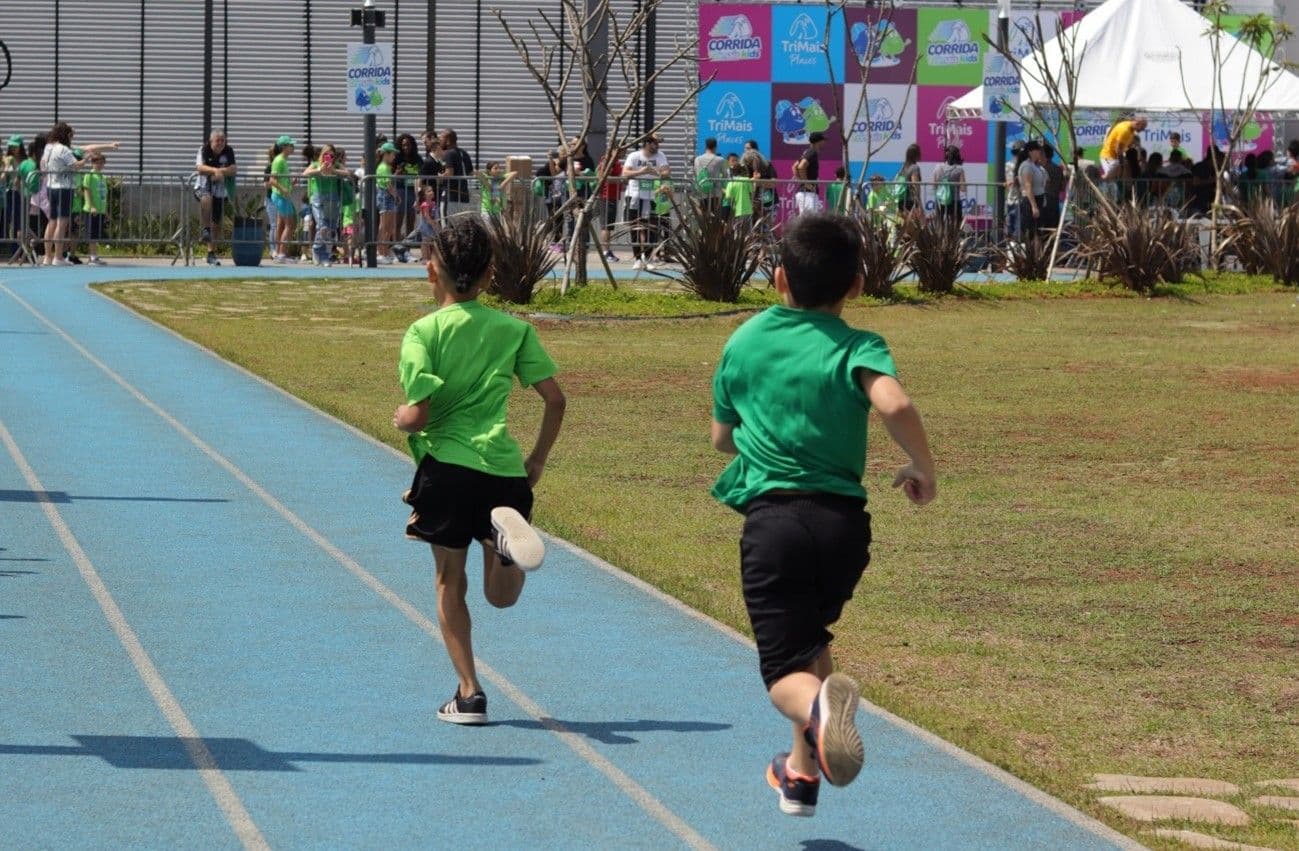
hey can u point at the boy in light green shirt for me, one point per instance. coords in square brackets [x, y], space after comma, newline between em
[791, 395]
[834, 192]
[881, 201]
[94, 203]
[457, 368]
[737, 195]
[492, 183]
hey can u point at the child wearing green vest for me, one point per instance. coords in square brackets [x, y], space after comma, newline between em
[791, 395]
[471, 482]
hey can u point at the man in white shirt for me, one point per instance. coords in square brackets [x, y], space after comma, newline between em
[642, 170]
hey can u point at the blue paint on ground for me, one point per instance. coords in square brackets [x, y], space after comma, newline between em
[316, 695]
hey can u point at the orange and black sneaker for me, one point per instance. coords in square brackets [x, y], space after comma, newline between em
[832, 730]
[797, 792]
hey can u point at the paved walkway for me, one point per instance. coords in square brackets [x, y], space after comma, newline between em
[214, 634]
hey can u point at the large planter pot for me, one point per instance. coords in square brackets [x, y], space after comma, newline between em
[248, 242]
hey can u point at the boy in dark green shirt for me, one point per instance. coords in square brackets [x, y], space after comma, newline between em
[790, 400]
[457, 367]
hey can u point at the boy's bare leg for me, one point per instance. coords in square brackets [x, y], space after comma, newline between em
[502, 583]
[453, 615]
[792, 695]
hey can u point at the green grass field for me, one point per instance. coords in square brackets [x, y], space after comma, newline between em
[1108, 581]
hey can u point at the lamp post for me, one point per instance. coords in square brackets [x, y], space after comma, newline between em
[369, 19]
[999, 128]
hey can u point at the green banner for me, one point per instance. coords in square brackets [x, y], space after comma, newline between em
[951, 46]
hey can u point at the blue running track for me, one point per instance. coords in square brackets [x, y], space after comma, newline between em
[213, 634]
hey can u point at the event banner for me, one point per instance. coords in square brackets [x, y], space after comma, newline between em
[878, 80]
[369, 78]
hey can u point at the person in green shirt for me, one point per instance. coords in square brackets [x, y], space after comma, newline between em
[835, 192]
[737, 195]
[281, 185]
[791, 395]
[881, 200]
[323, 192]
[386, 201]
[456, 368]
[492, 183]
[94, 203]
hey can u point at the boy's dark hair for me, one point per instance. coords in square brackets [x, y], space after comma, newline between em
[821, 256]
[464, 250]
[710, 144]
[840, 172]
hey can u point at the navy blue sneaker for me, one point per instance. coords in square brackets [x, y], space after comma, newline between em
[832, 730]
[464, 710]
[797, 793]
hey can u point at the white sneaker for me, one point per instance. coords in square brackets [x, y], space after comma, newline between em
[385, 259]
[280, 258]
[638, 265]
[327, 264]
[516, 541]
[95, 261]
[58, 261]
[651, 266]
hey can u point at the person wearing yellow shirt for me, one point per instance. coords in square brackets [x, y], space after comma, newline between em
[1122, 136]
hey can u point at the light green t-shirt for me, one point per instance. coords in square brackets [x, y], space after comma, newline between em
[382, 177]
[738, 195]
[30, 172]
[787, 382]
[96, 187]
[662, 197]
[463, 358]
[491, 197]
[280, 174]
[321, 185]
[834, 196]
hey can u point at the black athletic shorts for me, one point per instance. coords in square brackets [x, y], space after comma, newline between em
[801, 556]
[95, 229]
[452, 505]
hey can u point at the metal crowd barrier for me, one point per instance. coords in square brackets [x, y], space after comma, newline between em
[162, 214]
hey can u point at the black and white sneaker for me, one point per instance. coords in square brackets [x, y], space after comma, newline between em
[517, 543]
[464, 710]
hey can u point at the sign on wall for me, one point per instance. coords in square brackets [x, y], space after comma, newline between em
[369, 79]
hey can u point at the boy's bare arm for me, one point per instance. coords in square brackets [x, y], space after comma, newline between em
[724, 438]
[918, 479]
[551, 419]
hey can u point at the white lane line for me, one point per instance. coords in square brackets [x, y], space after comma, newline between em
[1055, 805]
[219, 787]
[641, 796]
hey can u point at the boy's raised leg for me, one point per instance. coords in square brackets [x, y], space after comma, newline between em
[502, 583]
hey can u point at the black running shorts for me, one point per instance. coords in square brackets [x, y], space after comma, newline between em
[452, 505]
[801, 556]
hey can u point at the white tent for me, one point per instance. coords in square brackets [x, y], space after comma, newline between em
[1135, 55]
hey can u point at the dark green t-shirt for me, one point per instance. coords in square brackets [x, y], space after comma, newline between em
[463, 359]
[787, 382]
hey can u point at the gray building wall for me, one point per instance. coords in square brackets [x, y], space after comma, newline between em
[132, 70]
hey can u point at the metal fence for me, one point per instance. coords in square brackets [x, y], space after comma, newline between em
[177, 217]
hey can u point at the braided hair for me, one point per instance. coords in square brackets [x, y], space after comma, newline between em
[464, 251]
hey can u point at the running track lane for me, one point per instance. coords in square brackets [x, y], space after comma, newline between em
[251, 548]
